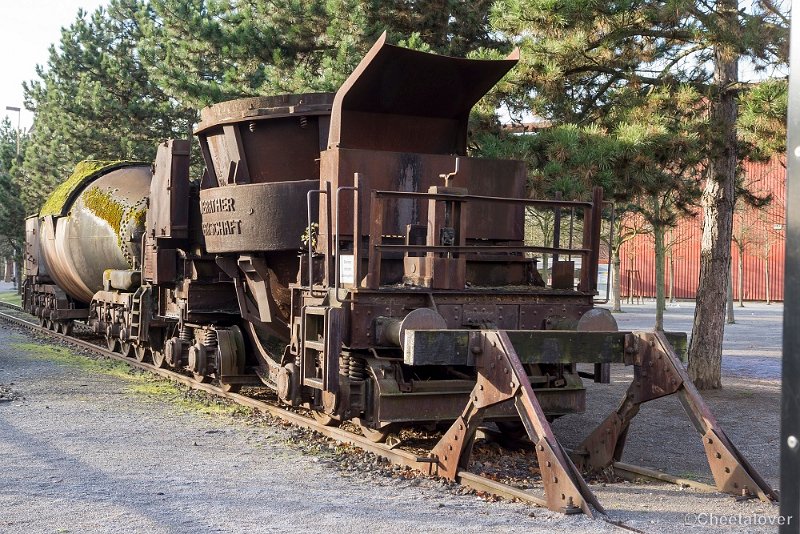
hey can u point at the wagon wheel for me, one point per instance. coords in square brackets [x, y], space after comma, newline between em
[325, 419]
[59, 327]
[113, 344]
[141, 353]
[376, 435]
[42, 322]
[68, 327]
[158, 358]
[127, 349]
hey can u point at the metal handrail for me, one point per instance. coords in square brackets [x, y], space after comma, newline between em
[590, 209]
[310, 241]
[483, 248]
[336, 246]
[444, 197]
[482, 198]
[608, 263]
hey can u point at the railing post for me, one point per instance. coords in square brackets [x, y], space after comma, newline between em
[592, 220]
[360, 184]
[375, 238]
[329, 236]
[597, 223]
[556, 228]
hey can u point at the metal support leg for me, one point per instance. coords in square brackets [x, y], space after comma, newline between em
[501, 377]
[658, 372]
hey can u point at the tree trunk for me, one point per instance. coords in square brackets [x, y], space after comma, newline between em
[730, 317]
[631, 282]
[705, 348]
[545, 270]
[658, 236]
[740, 264]
[671, 276]
[616, 284]
[766, 277]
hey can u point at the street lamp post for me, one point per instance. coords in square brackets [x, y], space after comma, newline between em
[19, 116]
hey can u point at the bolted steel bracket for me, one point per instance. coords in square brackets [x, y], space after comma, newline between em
[450, 449]
[601, 447]
[730, 475]
[502, 377]
[659, 372]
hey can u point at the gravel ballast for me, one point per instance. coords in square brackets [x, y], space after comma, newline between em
[99, 448]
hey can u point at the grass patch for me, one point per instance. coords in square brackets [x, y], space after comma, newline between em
[156, 388]
[186, 398]
[66, 356]
[11, 297]
[140, 383]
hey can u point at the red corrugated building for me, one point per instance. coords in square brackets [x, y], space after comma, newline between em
[760, 231]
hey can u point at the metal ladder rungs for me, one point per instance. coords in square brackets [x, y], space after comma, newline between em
[315, 345]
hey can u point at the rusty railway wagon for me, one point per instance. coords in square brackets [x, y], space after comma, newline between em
[343, 250]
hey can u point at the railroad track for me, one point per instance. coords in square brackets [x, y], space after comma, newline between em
[421, 464]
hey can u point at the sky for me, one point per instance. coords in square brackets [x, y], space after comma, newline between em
[27, 29]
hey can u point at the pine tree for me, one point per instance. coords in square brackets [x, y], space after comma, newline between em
[583, 60]
[96, 100]
[12, 210]
[202, 52]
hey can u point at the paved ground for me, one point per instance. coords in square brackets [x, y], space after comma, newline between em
[6, 287]
[751, 347]
[87, 446]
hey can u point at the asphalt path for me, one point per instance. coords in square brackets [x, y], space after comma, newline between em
[751, 347]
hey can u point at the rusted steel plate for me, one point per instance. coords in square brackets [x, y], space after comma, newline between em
[399, 171]
[255, 217]
[381, 107]
[168, 208]
[264, 139]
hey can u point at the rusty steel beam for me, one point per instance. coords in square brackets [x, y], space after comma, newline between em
[449, 347]
[657, 373]
[635, 472]
[502, 377]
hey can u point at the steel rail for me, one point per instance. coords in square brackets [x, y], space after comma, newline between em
[634, 472]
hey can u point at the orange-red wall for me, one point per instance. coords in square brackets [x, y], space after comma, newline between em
[755, 226]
